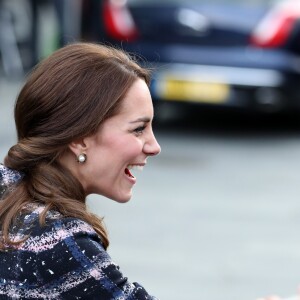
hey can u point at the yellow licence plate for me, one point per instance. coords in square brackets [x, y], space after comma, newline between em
[194, 91]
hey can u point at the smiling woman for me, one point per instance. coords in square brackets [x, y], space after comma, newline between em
[84, 122]
[123, 141]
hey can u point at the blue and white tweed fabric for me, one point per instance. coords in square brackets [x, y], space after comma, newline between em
[8, 178]
[64, 259]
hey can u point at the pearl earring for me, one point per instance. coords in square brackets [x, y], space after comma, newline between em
[81, 158]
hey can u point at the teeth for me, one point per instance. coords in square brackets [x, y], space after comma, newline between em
[136, 167]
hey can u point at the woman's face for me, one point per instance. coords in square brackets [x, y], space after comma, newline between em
[122, 143]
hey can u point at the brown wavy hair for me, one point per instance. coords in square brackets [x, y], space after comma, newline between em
[66, 97]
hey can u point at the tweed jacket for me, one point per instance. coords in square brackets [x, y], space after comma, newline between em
[64, 259]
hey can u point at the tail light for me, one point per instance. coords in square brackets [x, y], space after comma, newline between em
[276, 27]
[118, 21]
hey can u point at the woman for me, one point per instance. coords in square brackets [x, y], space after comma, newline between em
[84, 121]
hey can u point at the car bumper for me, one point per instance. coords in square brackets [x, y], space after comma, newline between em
[221, 85]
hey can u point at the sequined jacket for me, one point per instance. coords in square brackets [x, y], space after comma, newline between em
[64, 259]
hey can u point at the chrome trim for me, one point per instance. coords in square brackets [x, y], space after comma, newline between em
[220, 74]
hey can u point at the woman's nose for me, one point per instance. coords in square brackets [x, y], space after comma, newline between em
[152, 147]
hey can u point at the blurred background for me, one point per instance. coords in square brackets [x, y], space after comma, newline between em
[217, 214]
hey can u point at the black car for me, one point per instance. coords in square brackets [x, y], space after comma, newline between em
[236, 53]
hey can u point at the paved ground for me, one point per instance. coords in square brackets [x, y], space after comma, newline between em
[215, 216]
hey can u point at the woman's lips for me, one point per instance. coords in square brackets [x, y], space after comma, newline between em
[138, 167]
[128, 173]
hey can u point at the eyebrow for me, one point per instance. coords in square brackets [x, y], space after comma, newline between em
[143, 119]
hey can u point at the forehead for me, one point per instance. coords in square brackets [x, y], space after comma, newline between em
[137, 100]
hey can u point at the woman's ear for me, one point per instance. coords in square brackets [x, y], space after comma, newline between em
[78, 146]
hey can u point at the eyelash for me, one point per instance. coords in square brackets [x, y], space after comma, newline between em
[139, 130]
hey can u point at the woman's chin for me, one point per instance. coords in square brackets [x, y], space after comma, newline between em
[121, 197]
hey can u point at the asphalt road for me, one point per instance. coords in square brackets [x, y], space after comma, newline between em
[215, 216]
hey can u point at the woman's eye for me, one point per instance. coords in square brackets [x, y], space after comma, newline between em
[139, 129]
